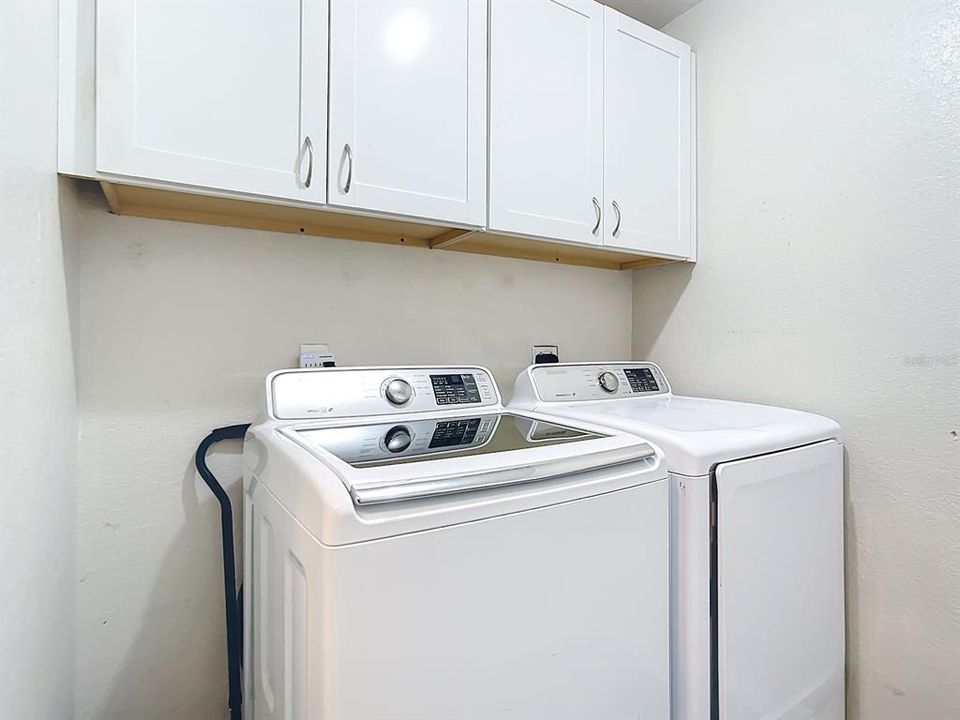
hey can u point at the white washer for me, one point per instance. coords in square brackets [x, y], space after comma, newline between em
[412, 550]
[757, 537]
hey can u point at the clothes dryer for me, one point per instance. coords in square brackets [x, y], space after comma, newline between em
[757, 537]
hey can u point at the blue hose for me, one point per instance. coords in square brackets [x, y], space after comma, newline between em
[232, 607]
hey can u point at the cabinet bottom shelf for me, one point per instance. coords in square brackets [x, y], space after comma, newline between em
[162, 204]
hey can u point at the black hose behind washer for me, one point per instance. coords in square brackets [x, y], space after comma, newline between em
[230, 600]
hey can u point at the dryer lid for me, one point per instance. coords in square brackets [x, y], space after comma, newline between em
[695, 433]
[698, 433]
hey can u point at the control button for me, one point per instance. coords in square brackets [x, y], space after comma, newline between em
[398, 391]
[397, 439]
[608, 381]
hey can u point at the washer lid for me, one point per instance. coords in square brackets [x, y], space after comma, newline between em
[417, 457]
[416, 440]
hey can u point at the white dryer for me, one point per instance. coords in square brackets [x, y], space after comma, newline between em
[757, 537]
[413, 550]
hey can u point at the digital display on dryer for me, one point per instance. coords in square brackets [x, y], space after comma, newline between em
[641, 380]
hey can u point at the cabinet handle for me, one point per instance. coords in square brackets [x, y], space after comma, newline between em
[617, 228]
[308, 149]
[596, 206]
[349, 152]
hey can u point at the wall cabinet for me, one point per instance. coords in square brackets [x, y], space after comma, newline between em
[546, 119]
[408, 108]
[590, 128]
[647, 149]
[208, 94]
[557, 130]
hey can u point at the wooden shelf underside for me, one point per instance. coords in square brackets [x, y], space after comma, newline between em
[204, 209]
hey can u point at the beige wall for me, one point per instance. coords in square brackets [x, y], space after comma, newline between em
[829, 280]
[179, 324]
[38, 413]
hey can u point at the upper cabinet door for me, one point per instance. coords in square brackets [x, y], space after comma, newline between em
[207, 93]
[546, 110]
[408, 107]
[646, 139]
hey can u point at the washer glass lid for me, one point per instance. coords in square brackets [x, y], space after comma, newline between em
[393, 443]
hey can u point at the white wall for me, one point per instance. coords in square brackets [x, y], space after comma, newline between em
[829, 280]
[37, 391]
[179, 324]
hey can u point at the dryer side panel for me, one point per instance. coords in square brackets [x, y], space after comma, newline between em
[780, 625]
[690, 626]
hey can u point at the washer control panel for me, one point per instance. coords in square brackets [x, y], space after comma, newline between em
[576, 382]
[456, 389]
[352, 392]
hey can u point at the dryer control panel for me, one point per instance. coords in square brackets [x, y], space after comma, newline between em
[586, 381]
[353, 392]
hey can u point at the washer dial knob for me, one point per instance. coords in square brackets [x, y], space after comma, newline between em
[397, 439]
[398, 391]
[608, 381]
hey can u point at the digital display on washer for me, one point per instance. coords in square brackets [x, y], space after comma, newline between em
[641, 380]
[450, 433]
[455, 389]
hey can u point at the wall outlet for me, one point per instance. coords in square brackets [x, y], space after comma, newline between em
[545, 354]
[316, 355]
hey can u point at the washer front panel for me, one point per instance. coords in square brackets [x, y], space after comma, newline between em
[572, 383]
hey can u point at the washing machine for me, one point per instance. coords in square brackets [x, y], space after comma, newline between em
[757, 597]
[415, 550]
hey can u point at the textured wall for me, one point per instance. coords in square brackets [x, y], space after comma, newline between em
[37, 391]
[829, 280]
[179, 324]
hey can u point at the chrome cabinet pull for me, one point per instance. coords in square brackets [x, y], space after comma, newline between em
[308, 149]
[349, 152]
[596, 207]
[617, 228]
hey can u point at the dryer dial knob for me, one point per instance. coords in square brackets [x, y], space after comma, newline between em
[608, 381]
[397, 439]
[398, 391]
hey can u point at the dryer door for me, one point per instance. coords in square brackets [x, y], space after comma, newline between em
[780, 623]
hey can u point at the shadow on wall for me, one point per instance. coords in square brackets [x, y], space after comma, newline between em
[70, 200]
[656, 293]
[153, 675]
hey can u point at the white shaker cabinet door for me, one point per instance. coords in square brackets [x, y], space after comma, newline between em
[408, 108]
[646, 139]
[546, 118]
[208, 94]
